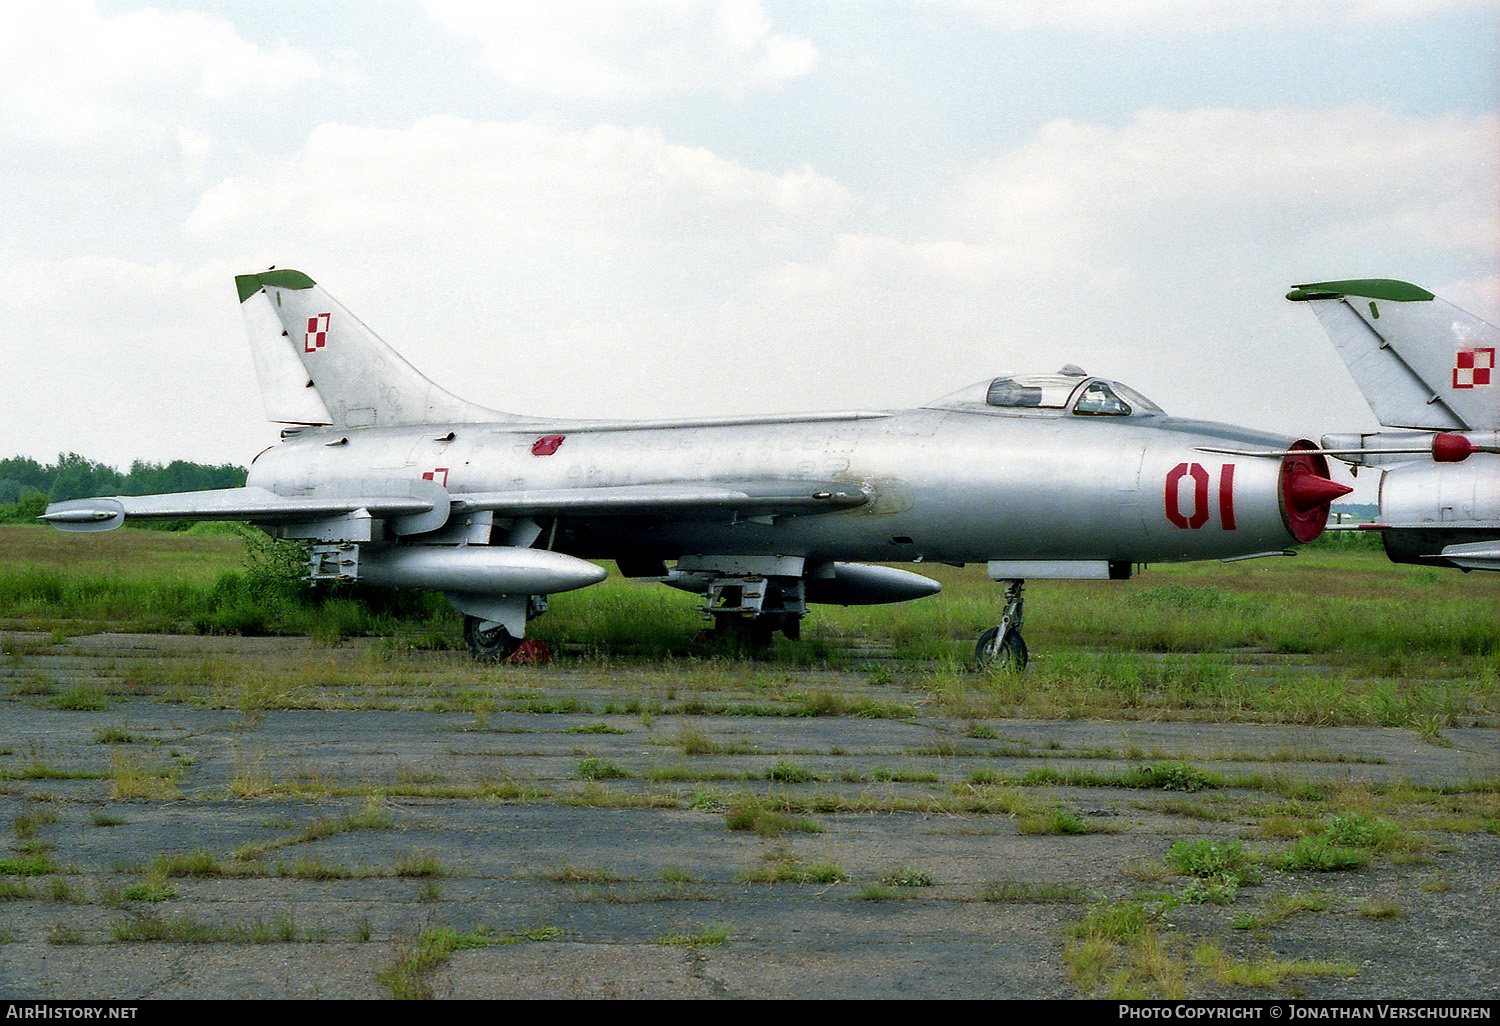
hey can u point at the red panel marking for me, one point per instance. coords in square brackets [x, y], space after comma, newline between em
[440, 475]
[317, 333]
[1226, 496]
[1472, 368]
[546, 445]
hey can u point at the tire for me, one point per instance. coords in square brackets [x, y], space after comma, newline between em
[752, 633]
[1012, 655]
[489, 645]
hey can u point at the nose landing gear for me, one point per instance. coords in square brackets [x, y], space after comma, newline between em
[1001, 647]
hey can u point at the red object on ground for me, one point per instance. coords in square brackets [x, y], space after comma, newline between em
[531, 651]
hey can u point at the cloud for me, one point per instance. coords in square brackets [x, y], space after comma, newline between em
[1157, 251]
[83, 93]
[1301, 183]
[522, 248]
[120, 360]
[628, 48]
[1195, 16]
[493, 188]
[612, 272]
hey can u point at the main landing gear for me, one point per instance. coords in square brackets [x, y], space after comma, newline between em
[1001, 647]
[748, 610]
[489, 642]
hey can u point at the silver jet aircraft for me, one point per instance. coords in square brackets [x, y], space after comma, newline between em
[1427, 367]
[392, 481]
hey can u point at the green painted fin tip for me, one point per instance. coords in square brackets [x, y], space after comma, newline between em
[1366, 288]
[249, 284]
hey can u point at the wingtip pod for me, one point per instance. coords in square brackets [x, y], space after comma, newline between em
[1451, 448]
[85, 515]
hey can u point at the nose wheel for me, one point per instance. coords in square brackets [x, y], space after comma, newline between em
[1002, 647]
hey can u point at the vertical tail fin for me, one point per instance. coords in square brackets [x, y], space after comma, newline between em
[319, 364]
[1420, 362]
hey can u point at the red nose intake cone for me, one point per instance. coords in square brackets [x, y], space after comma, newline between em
[1306, 492]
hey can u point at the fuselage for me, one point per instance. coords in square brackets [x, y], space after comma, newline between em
[959, 484]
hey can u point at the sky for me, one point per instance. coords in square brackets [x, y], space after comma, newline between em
[648, 208]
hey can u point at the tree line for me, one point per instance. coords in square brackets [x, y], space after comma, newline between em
[26, 486]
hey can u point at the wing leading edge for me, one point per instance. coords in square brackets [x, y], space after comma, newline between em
[426, 506]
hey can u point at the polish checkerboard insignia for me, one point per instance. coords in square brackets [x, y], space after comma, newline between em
[317, 333]
[1473, 368]
[440, 475]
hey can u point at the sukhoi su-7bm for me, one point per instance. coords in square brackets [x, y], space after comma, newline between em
[390, 480]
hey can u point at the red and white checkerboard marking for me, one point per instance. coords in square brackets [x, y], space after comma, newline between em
[440, 475]
[1473, 368]
[317, 333]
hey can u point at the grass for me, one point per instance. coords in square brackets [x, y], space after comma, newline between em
[1318, 855]
[33, 864]
[796, 872]
[781, 866]
[1013, 891]
[1370, 618]
[600, 769]
[1331, 638]
[134, 776]
[1263, 973]
[186, 929]
[711, 936]
[1281, 907]
[756, 817]
[1119, 951]
[407, 978]
[1165, 776]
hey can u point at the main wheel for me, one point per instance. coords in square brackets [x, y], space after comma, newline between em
[1011, 656]
[752, 633]
[489, 644]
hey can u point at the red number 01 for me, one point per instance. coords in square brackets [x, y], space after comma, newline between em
[1201, 479]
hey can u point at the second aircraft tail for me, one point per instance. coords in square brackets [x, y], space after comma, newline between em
[1420, 362]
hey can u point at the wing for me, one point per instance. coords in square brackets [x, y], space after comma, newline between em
[256, 505]
[419, 506]
[687, 500]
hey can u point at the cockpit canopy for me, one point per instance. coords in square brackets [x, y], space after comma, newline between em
[1068, 390]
